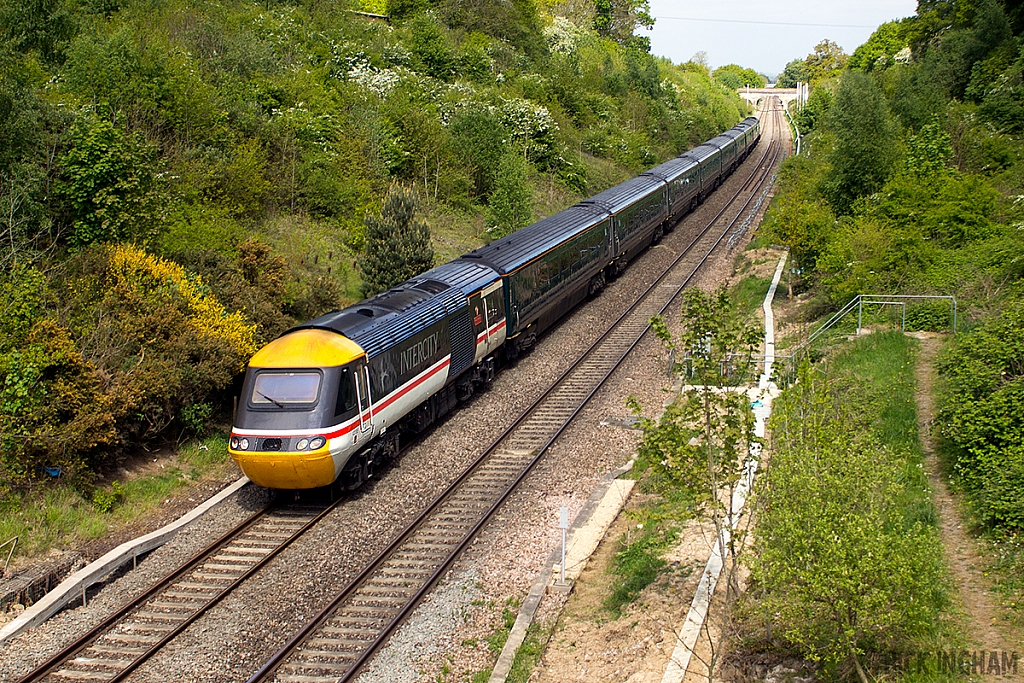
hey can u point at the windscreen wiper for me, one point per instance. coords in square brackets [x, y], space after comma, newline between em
[272, 400]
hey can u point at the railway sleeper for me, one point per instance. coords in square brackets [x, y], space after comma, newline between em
[82, 675]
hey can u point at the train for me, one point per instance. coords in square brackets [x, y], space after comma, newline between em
[330, 400]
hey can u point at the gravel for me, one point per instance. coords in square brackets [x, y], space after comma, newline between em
[447, 633]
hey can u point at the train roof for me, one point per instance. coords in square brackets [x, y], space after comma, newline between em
[522, 246]
[617, 198]
[721, 141]
[469, 277]
[702, 152]
[672, 169]
[383, 320]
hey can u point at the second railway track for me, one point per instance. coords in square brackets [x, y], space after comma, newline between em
[335, 644]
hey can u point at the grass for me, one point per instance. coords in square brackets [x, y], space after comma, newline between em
[496, 641]
[59, 516]
[637, 564]
[638, 561]
[529, 653]
[749, 294]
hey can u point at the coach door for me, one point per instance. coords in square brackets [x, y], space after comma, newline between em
[363, 395]
[489, 320]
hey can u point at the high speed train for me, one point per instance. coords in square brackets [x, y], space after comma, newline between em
[331, 398]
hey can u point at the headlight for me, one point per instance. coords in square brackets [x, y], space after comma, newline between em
[301, 445]
[234, 443]
[243, 444]
[316, 442]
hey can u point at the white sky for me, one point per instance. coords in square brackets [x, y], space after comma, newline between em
[772, 32]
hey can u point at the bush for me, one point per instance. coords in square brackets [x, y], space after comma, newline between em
[983, 417]
[140, 343]
[848, 564]
[109, 183]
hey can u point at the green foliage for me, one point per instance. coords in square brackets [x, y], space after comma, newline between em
[848, 566]
[827, 61]
[432, 53]
[105, 500]
[796, 71]
[734, 77]
[883, 47]
[397, 243]
[983, 416]
[480, 138]
[929, 153]
[865, 137]
[195, 417]
[816, 111]
[41, 26]
[798, 216]
[619, 19]
[109, 184]
[701, 440]
[509, 207]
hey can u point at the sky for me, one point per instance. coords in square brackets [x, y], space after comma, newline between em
[764, 35]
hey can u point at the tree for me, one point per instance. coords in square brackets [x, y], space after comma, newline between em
[734, 76]
[110, 184]
[702, 440]
[510, 205]
[397, 245]
[619, 19]
[865, 148]
[827, 60]
[795, 72]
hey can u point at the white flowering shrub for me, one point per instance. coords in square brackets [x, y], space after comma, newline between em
[379, 81]
[562, 36]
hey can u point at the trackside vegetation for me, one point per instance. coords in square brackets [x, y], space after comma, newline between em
[847, 565]
[912, 184]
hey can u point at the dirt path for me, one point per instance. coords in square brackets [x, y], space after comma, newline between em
[966, 564]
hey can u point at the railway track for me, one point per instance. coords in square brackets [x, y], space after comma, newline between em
[140, 628]
[347, 633]
[335, 644]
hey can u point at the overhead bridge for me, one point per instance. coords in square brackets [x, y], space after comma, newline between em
[757, 95]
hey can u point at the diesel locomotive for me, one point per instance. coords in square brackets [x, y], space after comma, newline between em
[332, 397]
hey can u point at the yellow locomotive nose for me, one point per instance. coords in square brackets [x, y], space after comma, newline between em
[293, 367]
[288, 470]
[307, 349]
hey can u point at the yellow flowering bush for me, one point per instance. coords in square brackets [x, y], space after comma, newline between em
[133, 268]
[124, 348]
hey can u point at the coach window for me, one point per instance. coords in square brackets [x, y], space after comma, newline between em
[346, 393]
[564, 257]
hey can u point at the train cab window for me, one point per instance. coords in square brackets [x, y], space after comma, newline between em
[346, 393]
[285, 389]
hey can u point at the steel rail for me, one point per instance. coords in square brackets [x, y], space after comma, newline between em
[129, 607]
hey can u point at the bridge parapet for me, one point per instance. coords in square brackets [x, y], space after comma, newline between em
[756, 95]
